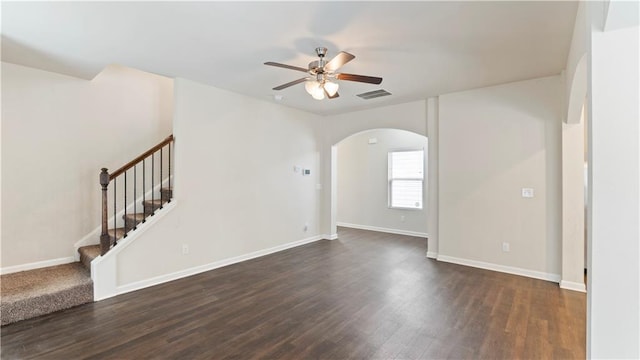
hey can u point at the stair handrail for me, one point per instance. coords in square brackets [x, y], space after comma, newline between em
[141, 157]
[106, 178]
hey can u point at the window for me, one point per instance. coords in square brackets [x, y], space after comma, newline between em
[406, 178]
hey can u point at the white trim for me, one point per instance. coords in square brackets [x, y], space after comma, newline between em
[37, 265]
[384, 230]
[575, 286]
[501, 268]
[432, 255]
[330, 237]
[211, 266]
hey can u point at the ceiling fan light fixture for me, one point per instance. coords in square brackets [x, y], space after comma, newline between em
[331, 88]
[318, 94]
[311, 85]
[315, 89]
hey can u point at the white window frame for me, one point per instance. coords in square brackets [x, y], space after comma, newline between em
[391, 179]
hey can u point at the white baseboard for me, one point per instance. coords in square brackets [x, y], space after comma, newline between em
[211, 266]
[330, 237]
[432, 255]
[501, 268]
[37, 265]
[384, 230]
[575, 286]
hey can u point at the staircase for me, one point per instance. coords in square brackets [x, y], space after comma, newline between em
[28, 294]
[131, 221]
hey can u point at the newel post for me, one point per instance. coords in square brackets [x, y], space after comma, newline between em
[105, 239]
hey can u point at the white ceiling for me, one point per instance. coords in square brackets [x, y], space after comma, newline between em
[421, 49]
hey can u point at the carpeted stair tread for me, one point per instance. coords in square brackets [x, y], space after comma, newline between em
[118, 233]
[39, 281]
[37, 292]
[132, 220]
[136, 216]
[156, 202]
[150, 206]
[167, 192]
[87, 254]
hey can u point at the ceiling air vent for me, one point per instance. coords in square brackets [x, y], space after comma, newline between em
[374, 94]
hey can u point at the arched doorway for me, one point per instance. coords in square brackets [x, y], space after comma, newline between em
[365, 194]
[420, 117]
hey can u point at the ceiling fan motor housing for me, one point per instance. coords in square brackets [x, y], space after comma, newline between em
[317, 67]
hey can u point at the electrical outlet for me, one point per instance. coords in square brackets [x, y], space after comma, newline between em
[402, 218]
[185, 249]
[505, 246]
[306, 226]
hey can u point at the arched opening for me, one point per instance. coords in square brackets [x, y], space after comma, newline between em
[363, 182]
[574, 183]
[577, 92]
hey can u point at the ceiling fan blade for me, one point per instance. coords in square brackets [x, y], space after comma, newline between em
[359, 78]
[331, 97]
[291, 67]
[291, 83]
[339, 60]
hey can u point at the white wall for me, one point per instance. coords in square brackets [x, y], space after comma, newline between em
[613, 322]
[362, 186]
[408, 116]
[493, 142]
[433, 187]
[57, 132]
[236, 192]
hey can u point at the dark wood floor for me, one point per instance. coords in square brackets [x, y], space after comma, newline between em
[367, 295]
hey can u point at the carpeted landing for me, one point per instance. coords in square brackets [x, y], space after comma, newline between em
[32, 293]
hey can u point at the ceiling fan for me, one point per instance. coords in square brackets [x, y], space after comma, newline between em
[321, 73]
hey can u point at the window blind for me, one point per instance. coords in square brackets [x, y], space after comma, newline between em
[406, 177]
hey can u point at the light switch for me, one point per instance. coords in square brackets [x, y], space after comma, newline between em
[527, 192]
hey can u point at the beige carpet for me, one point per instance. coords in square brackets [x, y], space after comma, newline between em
[28, 294]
